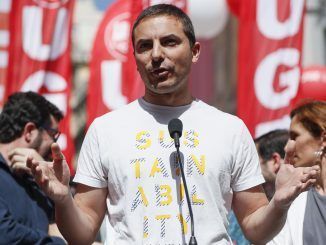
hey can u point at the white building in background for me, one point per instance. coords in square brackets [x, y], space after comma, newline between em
[85, 24]
[314, 41]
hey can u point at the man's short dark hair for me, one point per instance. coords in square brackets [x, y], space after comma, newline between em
[167, 10]
[24, 107]
[274, 141]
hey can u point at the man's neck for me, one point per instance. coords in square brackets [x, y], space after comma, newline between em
[173, 99]
[269, 188]
[4, 149]
[7, 147]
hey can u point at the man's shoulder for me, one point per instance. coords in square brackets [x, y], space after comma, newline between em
[10, 188]
[218, 116]
[124, 112]
[6, 176]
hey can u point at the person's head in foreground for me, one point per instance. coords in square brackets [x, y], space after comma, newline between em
[308, 130]
[164, 48]
[29, 120]
[270, 148]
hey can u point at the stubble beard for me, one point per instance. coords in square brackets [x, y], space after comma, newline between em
[36, 145]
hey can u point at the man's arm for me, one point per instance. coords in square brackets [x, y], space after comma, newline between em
[78, 218]
[12, 231]
[17, 162]
[260, 220]
[54, 231]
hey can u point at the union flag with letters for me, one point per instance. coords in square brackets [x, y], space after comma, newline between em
[269, 61]
[39, 56]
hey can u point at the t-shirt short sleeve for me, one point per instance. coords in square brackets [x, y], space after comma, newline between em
[90, 170]
[246, 172]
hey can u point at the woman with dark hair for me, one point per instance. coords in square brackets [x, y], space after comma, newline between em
[306, 220]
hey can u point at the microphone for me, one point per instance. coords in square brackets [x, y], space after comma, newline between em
[175, 130]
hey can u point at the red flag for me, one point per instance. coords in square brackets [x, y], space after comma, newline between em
[39, 56]
[129, 71]
[312, 84]
[269, 61]
[5, 7]
[108, 88]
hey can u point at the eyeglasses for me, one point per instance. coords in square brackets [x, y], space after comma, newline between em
[53, 133]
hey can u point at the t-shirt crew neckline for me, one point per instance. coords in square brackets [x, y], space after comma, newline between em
[157, 108]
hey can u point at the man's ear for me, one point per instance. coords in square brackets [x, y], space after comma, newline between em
[277, 161]
[195, 52]
[29, 132]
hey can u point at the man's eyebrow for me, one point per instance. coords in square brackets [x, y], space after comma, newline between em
[164, 37]
[171, 36]
[143, 40]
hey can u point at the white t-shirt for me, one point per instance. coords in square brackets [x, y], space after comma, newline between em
[292, 231]
[129, 151]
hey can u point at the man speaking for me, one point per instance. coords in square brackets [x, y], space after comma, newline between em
[128, 167]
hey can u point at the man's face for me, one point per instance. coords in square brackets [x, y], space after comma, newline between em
[42, 143]
[163, 54]
[268, 170]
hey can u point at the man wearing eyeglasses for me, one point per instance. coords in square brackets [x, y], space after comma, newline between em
[28, 127]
